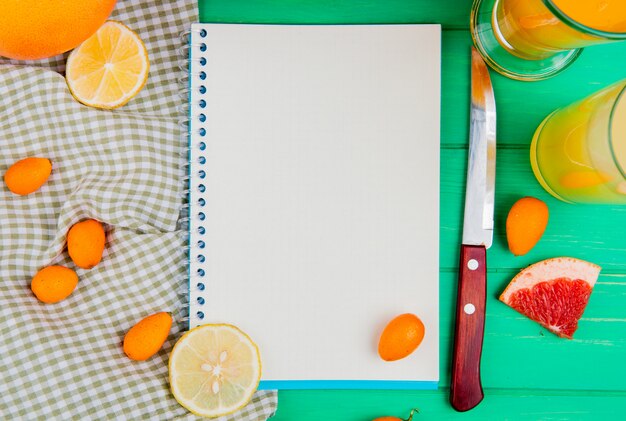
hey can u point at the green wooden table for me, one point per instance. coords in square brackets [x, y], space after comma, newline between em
[527, 372]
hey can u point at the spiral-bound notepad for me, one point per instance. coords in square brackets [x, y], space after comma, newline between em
[314, 195]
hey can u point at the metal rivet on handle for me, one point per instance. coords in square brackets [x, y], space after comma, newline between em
[472, 264]
[469, 308]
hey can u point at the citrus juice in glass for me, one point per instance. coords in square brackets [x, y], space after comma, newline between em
[578, 153]
[535, 39]
[530, 29]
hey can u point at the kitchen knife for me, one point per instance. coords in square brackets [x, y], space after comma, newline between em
[465, 387]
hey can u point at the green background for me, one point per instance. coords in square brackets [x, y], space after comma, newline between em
[527, 372]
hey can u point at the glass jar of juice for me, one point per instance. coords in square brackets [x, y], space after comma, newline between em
[578, 153]
[535, 39]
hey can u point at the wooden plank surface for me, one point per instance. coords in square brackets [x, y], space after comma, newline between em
[451, 14]
[592, 232]
[510, 405]
[528, 372]
[597, 67]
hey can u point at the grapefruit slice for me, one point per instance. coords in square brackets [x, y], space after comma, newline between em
[553, 292]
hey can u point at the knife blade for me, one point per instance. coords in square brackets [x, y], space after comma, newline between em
[465, 385]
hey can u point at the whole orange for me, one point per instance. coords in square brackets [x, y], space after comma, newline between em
[85, 243]
[525, 224]
[36, 29]
[54, 283]
[400, 337]
[27, 175]
[147, 336]
[389, 418]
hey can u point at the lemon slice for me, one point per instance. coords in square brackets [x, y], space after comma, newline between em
[214, 370]
[109, 68]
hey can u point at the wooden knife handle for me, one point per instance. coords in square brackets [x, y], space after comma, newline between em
[465, 388]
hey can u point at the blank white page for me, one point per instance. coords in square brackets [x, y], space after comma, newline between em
[321, 195]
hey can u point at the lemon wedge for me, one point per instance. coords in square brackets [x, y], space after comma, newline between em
[109, 68]
[214, 370]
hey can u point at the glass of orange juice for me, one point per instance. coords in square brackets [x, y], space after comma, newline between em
[535, 39]
[578, 153]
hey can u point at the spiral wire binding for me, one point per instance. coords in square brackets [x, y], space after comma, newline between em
[193, 251]
[183, 282]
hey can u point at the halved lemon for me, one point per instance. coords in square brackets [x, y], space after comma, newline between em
[214, 370]
[109, 68]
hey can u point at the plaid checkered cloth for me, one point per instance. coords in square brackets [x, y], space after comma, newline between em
[123, 167]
